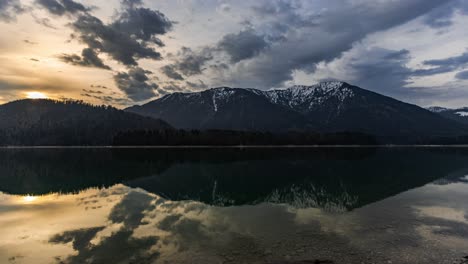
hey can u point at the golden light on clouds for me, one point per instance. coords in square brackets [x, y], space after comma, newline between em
[36, 95]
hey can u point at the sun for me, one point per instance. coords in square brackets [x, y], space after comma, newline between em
[29, 198]
[36, 95]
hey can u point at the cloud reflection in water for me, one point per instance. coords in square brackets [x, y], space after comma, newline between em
[126, 225]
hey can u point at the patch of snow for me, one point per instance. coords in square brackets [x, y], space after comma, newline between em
[437, 109]
[462, 114]
[223, 93]
[215, 105]
[313, 95]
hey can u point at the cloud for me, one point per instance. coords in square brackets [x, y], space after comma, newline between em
[224, 8]
[132, 3]
[62, 7]
[445, 65]
[88, 58]
[136, 84]
[463, 75]
[92, 91]
[243, 45]
[191, 62]
[127, 38]
[172, 87]
[142, 23]
[295, 36]
[387, 72]
[197, 85]
[119, 45]
[108, 99]
[170, 72]
[378, 69]
[43, 21]
[30, 42]
[9, 9]
[443, 17]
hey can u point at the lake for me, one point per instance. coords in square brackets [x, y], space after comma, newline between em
[234, 205]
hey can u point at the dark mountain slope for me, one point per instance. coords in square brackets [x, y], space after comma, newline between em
[460, 114]
[48, 122]
[222, 108]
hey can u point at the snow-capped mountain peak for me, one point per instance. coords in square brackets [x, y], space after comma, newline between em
[308, 97]
[323, 86]
[326, 106]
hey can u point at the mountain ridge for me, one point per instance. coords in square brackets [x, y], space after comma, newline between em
[325, 107]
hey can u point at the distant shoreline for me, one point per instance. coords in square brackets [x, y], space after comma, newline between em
[236, 147]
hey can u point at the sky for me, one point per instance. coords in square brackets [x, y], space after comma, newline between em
[126, 52]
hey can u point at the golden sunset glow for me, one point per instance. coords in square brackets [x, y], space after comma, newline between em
[36, 95]
[29, 198]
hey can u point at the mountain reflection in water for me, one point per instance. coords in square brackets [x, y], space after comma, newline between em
[233, 206]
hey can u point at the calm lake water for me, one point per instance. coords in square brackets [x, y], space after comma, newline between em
[323, 205]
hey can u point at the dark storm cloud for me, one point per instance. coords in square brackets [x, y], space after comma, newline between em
[305, 40]
[381, 70]
[129, 37]
[386, 71]
[88, 58]
[119, 45]
[136, 84]
[188, 62]
[243, 45]
[170, 72]
[191, 62]
[462, 75]
[143, 23]
[443, 65]
[443, 17]
[9, 9]
[132, 3]
[62, 7]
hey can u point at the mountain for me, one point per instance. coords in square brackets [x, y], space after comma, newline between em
[324, 107]
[459, 115]
[49, 122]
[222, 108]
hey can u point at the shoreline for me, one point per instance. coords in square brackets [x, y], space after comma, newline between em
[235, 147]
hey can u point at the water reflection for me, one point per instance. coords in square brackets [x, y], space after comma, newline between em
[338, 179]
[124, 225]
[391, 214]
